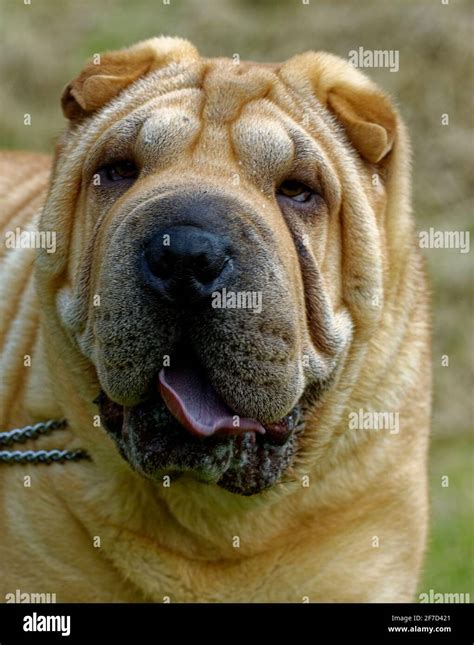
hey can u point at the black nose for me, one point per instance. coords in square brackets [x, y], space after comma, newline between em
[185, 264]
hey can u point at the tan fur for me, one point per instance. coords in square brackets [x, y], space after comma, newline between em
[368, 316]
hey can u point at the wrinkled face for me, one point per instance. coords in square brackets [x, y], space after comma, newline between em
[204, 269]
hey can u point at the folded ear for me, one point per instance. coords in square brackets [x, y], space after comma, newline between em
[101, 81]
[363, 109]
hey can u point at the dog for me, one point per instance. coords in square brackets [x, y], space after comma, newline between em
[229, 309]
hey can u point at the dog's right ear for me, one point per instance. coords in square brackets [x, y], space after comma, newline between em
[100, 81]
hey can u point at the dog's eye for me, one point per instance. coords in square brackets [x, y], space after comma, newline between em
[295, 190]
[120, 170]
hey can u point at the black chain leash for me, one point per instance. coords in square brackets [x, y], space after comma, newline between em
[20, 435]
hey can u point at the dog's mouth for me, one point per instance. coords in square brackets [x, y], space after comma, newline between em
[193, 401]
[184, 426]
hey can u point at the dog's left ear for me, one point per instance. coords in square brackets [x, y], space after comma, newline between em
[100, 81]
[362, 108]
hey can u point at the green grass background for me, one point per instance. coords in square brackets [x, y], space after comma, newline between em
[43, 45]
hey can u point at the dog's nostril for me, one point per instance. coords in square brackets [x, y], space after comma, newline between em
[186, 263]
[206, 269]
[161, 265]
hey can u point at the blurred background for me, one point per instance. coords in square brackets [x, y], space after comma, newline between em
[44, 44]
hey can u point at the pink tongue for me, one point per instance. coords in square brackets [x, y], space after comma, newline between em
[192, 400]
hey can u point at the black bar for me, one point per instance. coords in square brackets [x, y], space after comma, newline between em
[313, 623]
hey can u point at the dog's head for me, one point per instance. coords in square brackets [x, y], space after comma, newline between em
[220, 246]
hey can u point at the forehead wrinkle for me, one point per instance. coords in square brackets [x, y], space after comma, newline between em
[229, 87]
[262, 144]
[166, 133]
[305, 143]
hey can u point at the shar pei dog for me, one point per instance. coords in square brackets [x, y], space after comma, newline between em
[214, 295]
